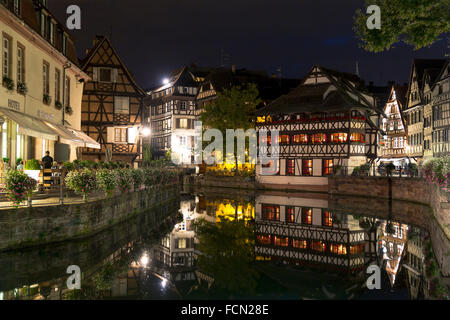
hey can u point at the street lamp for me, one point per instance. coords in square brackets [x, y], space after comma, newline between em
[146, 131]
[166, 81]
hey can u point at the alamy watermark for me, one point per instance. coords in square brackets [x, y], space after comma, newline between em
[74, 281]
[73, 22]
[374, 21]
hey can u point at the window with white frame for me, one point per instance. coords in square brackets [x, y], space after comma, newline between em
[6, 56]
[57, 85]
[122, 105]
[67, 91]
[120, 135]
[105, 74]
[46, 78]
[20, 64]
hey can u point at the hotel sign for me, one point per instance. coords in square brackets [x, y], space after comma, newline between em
[12, 104]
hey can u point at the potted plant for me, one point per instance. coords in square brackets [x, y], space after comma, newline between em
[69, 110]
[58, 105]
[8, 83]
[19, 186]
[32, 168]
[22, 88]
[46, 99]
[82, 182]
[107, 181]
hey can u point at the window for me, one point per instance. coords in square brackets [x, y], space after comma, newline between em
[357, 248]
[270, 212]
[339, 137]
[273, 165]
[67, 91]
[357, 137]
[327, 219]
[290, 214]
[5, 139]
[284, 139]
[300, 138]
[338, 249]
[181, 244]
[307, 167]
[264, 239]
[290, 167]
[105, 74]
[319, 138]
[182, 123]
[307, 216]
[19, 152]
[327, 167]
[18, 7]
[281, 241]
[299, 244]
[122, 105]
[318, 246]
[182, 105]
[46, 78]
[6, 56]
[120, 135]
[20, 64]
[57, 85]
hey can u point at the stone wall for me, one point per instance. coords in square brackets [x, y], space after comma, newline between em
[26, 227]
[222, 182]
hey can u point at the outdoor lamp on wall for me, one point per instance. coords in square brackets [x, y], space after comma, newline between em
[146, 131]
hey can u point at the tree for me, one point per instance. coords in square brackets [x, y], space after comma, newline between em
[233, 109]
[227, 254]
[415, 22]
[147, 155]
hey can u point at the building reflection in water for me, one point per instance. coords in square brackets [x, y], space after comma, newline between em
[300, 231]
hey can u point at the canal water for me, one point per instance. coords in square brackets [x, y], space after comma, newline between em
[218, 244]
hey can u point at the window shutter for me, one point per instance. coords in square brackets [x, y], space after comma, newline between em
[178, 124]
[114, 75]
[95, 74]
[176, 243]
[110, 134]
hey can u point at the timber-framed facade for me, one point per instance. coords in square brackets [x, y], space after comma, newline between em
[112, 106]
[329, 120]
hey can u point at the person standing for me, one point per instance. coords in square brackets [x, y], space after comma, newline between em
[47, 160]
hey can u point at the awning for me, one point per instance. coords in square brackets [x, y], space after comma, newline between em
[66, 135]
[30, 126]
[88, 141]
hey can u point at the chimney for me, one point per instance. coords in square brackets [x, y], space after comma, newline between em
[233, 68]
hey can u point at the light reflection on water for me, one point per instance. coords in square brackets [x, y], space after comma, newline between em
[300, 249]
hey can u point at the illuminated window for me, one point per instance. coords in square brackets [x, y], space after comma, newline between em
[307, 216]
[265, 139]
[120, 135]
[338, 248]
[181, 244]
[281, 241]
[338, 137]
[318, 246]
[307, 167]
[357, 248]
[270, 212]
[290, 167]
[262, 239]
[327, 167]
[327, 219]
[357, 137]
[300, 138]
[273, 166]
[290, 214]
[283, 139]
[319, 138]
[299, 244]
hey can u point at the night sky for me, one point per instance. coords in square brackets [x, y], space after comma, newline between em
[154, 37]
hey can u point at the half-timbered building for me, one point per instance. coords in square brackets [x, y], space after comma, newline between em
[304, 231]
[329, 120]
[440, 120]
[392, 147]
[171, 114]
[112, 106]
[416, 100]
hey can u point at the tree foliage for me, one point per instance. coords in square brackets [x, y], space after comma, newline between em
[227, 253]
[415, 22]
[233, 109]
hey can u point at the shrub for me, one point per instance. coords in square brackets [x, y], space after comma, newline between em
[125, 180]
[32, 164]
[68, 166]
[138, 178]
[365, 169]
[107, 180]
[389, 169]
[356, 171]
[18, 185]
[18, 161]
[411, 169]
[8, 83]
[82, 182]
[148, 178]
[437, 170]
